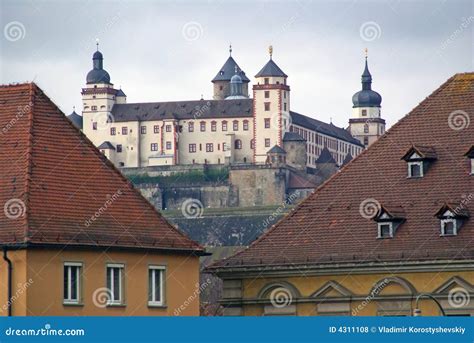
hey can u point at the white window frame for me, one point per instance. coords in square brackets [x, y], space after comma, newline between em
[162, 270]
[69, 300]
[418, 163]
[111, 301]
[379, 228]
[472, 166]
[455, 226]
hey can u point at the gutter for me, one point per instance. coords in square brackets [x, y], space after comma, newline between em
[10, 269]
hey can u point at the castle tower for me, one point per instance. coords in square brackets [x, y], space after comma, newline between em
[222, 80]
[271, 96]
[98, 98]
[366, 123]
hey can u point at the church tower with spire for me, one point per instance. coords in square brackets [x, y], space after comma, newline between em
[271, 109]
[366, 123]
[222, 84]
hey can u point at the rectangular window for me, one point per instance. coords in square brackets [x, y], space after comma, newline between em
[124, 130]
[284, 106]
[72, 282]
[224, 126]
[168, 145]
[154, 147]
[156, 279]
[415, 169]
[94, 108]
[266, 80]
[267, 106]
[94, 126]
[202, 126]
[192, 147]
[209, 147]
[267, 142]
[143, 130]
[113, 131]
[168, 128]
[156, 129]
[213, 126]
[448, 227]
[267, 94]
[235, 125]
[267, 123]
[190, 127]
[115, 284]
[246, 125]
[119, 147]
[385, 230]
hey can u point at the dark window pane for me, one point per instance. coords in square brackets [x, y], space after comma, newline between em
[116, 272]
[74, 281]
[66, 282]
[157, 285]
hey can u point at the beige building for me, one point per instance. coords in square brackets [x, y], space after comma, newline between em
[230, 129]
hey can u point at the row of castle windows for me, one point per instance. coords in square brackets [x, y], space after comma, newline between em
[193, 146]
[235, 126]
[330, 143]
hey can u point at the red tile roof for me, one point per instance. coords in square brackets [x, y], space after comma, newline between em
[336, 223]
[56, 188]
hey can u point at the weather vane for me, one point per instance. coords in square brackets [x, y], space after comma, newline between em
[97, 43]
[230, 49]
[270, 51]
[366, 52]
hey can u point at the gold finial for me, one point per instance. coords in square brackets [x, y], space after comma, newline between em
[97, 43]
[270, 51]
[230, 49]
[366, 52]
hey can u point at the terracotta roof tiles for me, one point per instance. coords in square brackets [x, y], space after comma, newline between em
[335, 223]
[56, 188]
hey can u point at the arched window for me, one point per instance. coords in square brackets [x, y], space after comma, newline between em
[238, 144]
[252, 144]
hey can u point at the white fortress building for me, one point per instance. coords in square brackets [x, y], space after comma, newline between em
[232, 128]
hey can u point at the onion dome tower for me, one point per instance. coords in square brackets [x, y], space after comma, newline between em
[98, 75]
[366, 123]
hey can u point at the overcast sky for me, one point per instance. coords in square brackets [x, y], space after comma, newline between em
[170, 50]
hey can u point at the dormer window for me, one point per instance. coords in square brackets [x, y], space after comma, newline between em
[452, 217]
[470, 156]
[419, 159]
[388, 221]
